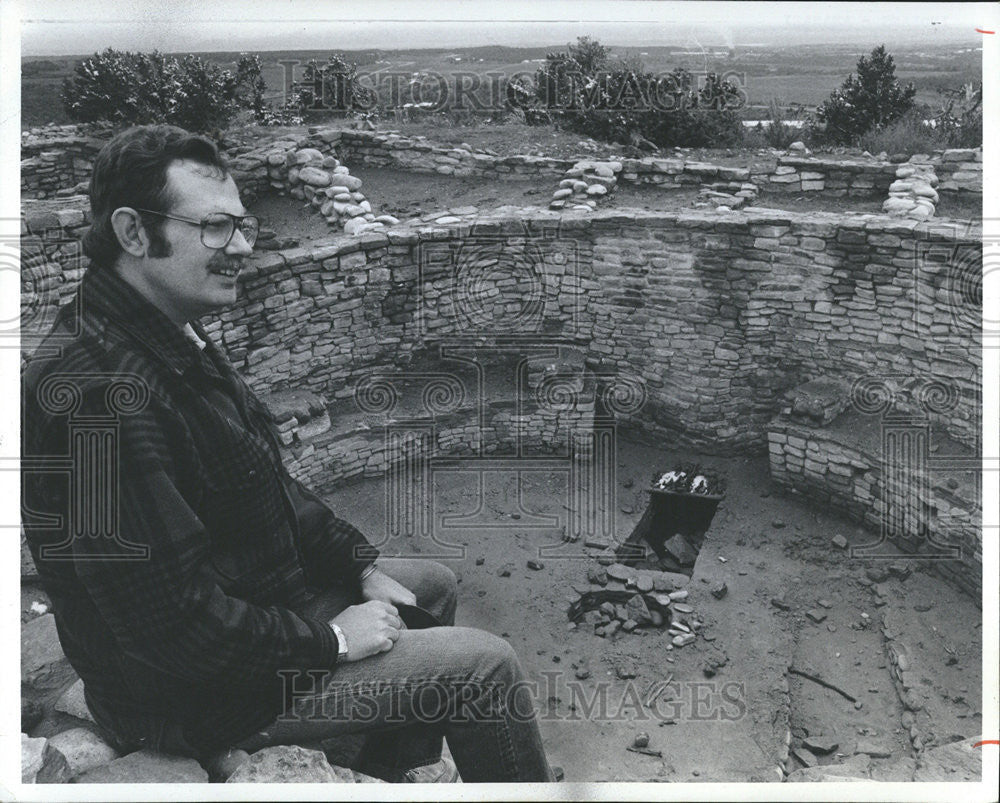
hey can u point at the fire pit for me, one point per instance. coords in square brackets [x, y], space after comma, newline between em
[682, 504]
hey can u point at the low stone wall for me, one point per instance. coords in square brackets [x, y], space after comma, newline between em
[850, 465]
[58, 158]
[960, 171]
[856, 178]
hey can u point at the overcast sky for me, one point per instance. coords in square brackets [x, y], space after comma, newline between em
[72, 27]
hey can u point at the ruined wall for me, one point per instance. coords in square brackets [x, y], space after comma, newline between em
[57, 158]
[843, 466]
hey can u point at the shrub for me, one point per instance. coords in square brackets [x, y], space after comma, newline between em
[960, 118]
[909, 134]
[869, 101]
[128, 88]
[332, 87]
[629, 105]
[778, 133]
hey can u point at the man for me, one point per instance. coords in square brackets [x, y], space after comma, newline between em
[220, 603]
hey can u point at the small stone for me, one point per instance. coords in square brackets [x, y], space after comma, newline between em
[872, 749]
[816, 616]
[535, 565]
[820, 744]
[720, 590]
[683, 639]
[641, 739]
[82, 750]
[480, 560]
[778, 524]
[629, 625]
[952, 483]
[680, 550]
[597, 575]
[503, 573]
[680, 607]
[877, 573]
[637, 610]
[582, 672]
[289, 764]
[625, 669]
[806, 758]
[824, 603]
[680, 594]
[779, 602]
[839, 541]
[644, 584]
[72, 702]
[617, 571]
[146, 766]
[32, 757]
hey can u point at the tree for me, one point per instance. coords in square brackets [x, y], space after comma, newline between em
[871, 100]
[334, 86]
[128, 88]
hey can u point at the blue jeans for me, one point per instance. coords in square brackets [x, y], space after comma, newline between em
[455, 682]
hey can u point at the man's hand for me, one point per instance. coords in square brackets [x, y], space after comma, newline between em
[369, 628]
[379, 586]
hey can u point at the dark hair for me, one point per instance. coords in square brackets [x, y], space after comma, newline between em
[131, 170]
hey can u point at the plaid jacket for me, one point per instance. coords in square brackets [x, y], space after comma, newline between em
[180, 613]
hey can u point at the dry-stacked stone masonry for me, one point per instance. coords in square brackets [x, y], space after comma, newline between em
[702, 323]
[56, 158]
[708, 320]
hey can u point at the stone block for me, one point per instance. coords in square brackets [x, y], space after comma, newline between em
[81, 750]
[72, 702]
[44, 667]
[146, 766]
[289, 764]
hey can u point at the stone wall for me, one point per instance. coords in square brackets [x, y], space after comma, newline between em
[60, 157]
[856, 178]
[718, 316]
[960, 171]
[57, 159]
[845, 465]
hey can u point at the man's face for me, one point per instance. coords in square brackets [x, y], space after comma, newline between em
[192, 279]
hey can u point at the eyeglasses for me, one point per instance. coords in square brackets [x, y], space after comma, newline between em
[218, 228]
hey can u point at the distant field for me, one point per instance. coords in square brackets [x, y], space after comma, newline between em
[804, 75]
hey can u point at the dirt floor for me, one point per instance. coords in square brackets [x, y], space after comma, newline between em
[718, 709]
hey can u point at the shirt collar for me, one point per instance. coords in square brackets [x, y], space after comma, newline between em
[103, 291]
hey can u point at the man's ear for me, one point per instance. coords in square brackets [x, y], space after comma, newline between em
[132, 235]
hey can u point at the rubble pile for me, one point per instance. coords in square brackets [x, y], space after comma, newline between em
[329, 187]
[623, 599]
[912, 194]
[725, 196]
[586, 183]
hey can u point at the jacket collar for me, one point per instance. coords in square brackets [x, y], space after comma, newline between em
[104, 292]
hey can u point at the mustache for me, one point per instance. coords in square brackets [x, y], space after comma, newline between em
[226, 263]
